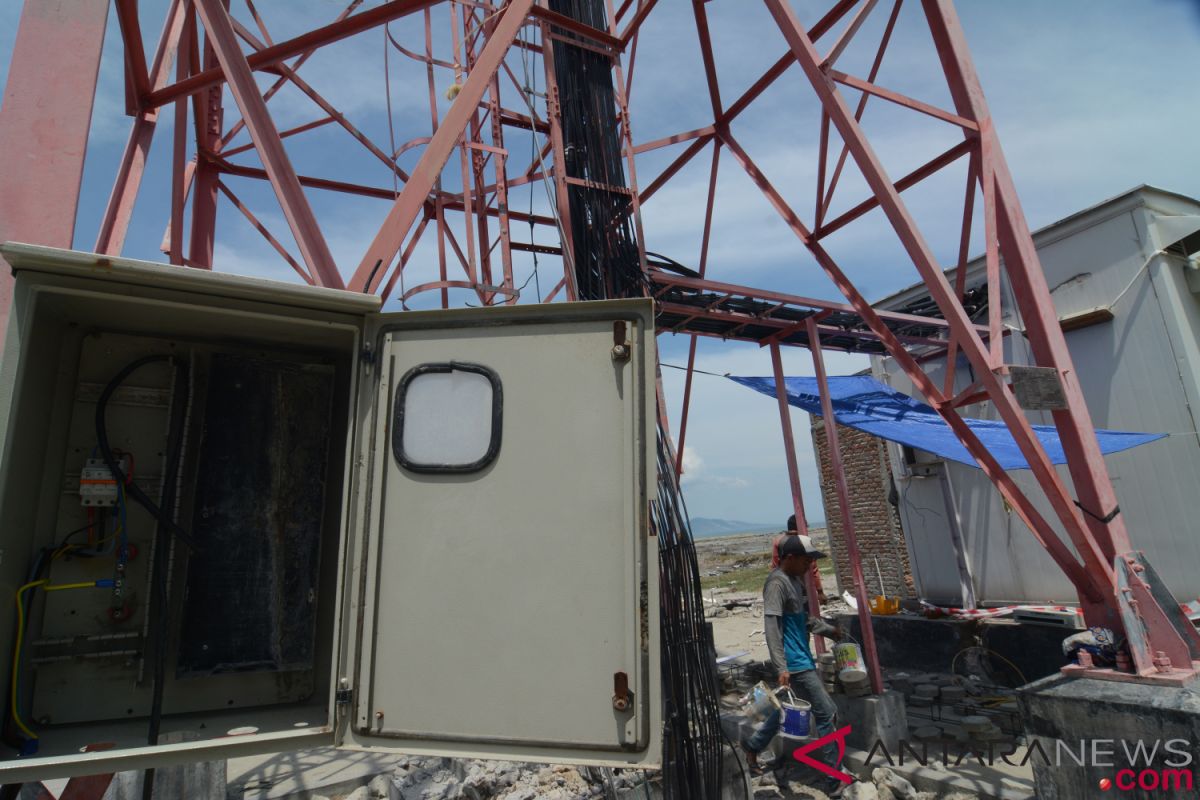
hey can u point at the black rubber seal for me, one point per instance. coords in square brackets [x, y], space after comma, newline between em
[493, 449]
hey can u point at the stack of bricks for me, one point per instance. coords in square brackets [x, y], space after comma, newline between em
[876, 521]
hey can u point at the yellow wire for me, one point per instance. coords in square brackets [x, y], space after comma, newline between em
[17, 658]
[66, 548]
[1020, 674]
[16, 666]
[110, 537]
[954, 662]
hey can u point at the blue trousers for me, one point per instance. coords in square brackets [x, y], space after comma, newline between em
[806, 685]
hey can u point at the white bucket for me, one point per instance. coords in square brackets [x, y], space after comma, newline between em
[850, 663]
[796, 717]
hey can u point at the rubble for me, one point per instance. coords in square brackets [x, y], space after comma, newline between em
[466, 779]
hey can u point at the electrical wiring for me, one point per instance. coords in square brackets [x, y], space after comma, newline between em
[97, 538]
[99, 542]
[14, 682]
[1011, 665]
[737, 755]
[58, 587]
[66, 540]
[606, 256]
[993, 654]
[49, 555]
[535, 155]
[122, 527]
[568, 256]
[179, 415]
[128, 456]
[16, 665]
[109, 456]
[605, 260]
[94, 550]
[692, 738]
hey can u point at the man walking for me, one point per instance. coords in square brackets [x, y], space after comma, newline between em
[788, 625]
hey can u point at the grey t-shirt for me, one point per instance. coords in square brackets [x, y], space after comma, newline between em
[788, 623]
[784, 594]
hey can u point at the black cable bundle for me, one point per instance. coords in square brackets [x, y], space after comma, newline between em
[607, 265]
[604, 245]
[692, 737]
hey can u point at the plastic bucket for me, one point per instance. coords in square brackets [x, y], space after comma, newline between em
[884, 606]
[795, 720]
[849, 661]
[762, 701]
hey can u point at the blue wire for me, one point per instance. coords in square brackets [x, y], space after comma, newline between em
[123, 554]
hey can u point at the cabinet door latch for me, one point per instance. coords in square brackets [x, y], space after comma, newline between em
[622, 350]
[621, 697]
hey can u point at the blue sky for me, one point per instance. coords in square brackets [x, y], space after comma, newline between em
[1089, 98]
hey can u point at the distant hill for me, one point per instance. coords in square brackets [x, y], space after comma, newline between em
[708, 527]
[705, 527]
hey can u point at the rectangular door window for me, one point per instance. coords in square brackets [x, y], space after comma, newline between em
[447, 418]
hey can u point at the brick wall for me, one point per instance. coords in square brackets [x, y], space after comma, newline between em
[876, 521]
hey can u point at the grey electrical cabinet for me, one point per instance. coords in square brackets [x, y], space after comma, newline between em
[241, 516]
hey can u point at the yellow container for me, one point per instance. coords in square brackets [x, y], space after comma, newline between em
[885, 605]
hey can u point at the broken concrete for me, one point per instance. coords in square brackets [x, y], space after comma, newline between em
[873, 718]
[968, 778]
[1145, 736]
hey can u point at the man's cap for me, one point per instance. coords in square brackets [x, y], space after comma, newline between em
[798, 545]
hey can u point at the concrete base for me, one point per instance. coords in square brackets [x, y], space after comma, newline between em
[917, 644]
[1109, 720]
[872, 719]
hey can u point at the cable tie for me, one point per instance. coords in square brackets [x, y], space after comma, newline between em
[1105, 519]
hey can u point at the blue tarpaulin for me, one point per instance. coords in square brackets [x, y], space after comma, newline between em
[867, 405]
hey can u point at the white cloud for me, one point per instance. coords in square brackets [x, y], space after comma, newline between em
[693, 465]
[731, 483]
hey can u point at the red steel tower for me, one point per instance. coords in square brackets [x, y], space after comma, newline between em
[494, 129]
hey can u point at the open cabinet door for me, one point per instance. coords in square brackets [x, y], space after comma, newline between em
[506, 579]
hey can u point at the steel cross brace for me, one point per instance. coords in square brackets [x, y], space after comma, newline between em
[412, 199]
[1095, 537]
[245, 91]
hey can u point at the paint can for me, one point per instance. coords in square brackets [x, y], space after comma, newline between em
[849, 661]
[795, 716]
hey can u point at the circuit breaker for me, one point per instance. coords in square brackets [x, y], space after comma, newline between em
[252, 516]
